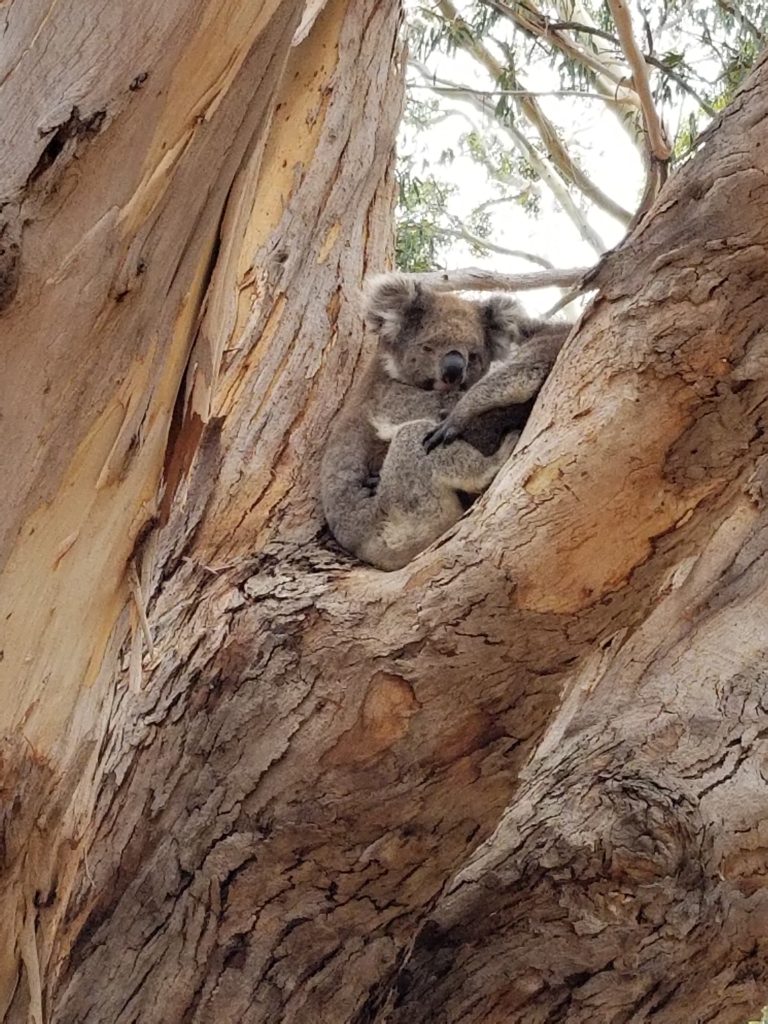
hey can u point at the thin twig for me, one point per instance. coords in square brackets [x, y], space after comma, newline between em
[460, 232]
[576, 26]
[657, 141]
[497, 201]
[568, 168]
[518, 92]
[479, 280]
[545, 172]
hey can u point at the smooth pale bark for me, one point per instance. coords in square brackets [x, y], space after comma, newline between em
[193, 170]
[278, 816]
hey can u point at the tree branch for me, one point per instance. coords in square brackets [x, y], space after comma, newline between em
[657, 140]
[568, 168]
[497, 201]
[479, 280]
[528, 151]
[654, 62]
[458, 231]
[580, 93]
[742, 20]
[608, 76]
[536, 25]
[262, 836]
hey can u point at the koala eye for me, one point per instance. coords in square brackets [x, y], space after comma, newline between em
[428, 349]
[474, 358]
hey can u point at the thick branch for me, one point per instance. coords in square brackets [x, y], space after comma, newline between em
[622, 880]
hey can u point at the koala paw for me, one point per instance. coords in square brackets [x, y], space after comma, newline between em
[444, 433]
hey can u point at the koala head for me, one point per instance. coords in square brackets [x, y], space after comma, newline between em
[436, 340]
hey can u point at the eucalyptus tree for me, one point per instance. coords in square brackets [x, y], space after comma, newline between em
[538, 95]
[246, 779]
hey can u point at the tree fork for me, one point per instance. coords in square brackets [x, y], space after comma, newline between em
[319, 747]
[305, 893]
[626, 880]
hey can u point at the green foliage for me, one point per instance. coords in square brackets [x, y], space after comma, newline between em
[698, 53]
[426, 228]
[504, 170]
[420, 212]
[421, 113]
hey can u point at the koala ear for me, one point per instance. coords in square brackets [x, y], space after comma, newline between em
[502, 316]
[391, 302]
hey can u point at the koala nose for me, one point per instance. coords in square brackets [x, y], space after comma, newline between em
[452, 367]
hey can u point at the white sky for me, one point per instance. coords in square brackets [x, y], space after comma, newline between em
[591, 134]
[603, 151]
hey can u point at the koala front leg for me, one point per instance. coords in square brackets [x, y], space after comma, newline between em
[417, 500]
[512, 384]
[416, 483]
[464, 468]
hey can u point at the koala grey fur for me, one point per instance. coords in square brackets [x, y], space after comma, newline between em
[505, 396]
[432, 347]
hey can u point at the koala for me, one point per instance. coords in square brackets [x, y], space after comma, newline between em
[384, 495]
[503, 398]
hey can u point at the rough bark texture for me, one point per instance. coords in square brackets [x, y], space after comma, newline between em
[523, 779]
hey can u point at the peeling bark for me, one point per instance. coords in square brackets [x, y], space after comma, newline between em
[521, 779]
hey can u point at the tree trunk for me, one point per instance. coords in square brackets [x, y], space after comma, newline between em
[522, 779]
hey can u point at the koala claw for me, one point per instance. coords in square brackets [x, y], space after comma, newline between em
[371, 482]
[445, 433]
